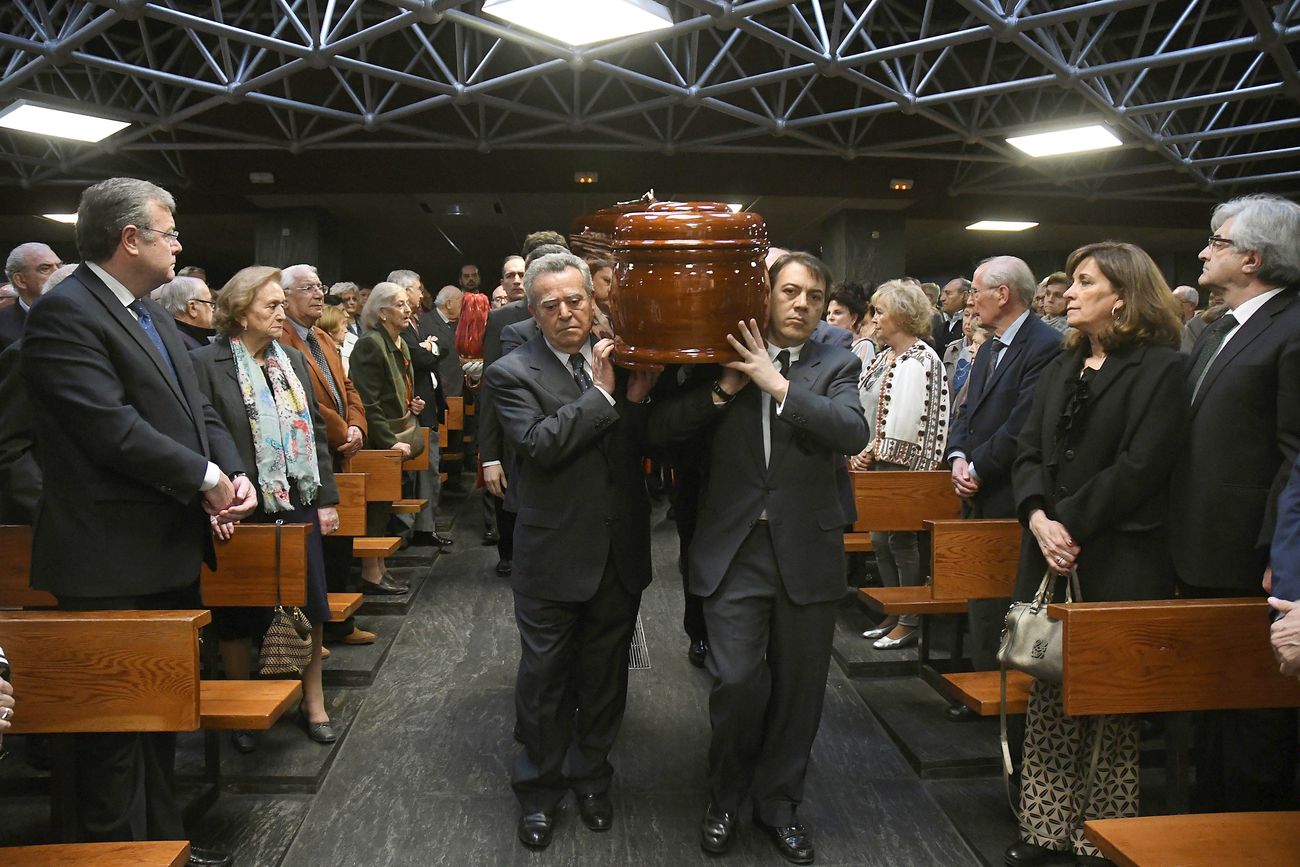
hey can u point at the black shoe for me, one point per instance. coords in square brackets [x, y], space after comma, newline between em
[244, 741]
[430, 540]
[1023, 854]
[491, 537]
[208, 858]
[321, 733]
[385, 586]
[792, 842]
[504, 568]
[698, 650]
[596, 810]
[535, 829]
[718, 830]
[960, 713]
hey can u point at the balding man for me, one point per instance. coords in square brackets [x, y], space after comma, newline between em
[189, 301]
[947, 323]
[1188, 299]
[1000, 391]
[28, 267]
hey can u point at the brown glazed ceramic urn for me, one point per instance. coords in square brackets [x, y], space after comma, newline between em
[685, 274]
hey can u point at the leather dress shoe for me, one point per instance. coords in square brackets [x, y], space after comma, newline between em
[208, 858]
[244, 741]
[596, 811]
[504, 568]
[792, 842]
[960, 713]
[385, 586]
[697, 651]
[535, 829]
[1024, 854]
[718, 830]
[321, 733]
[491, 537]
[429, 540]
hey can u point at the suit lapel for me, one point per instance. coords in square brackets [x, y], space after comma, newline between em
[1246, 334]
[979, 375]
[551, 375]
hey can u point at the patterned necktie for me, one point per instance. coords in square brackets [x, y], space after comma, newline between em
[1209, 348]
[146, 322]
[579, 372]
[319, 354]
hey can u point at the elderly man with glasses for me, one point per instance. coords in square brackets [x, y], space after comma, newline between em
[190, 302]
[28, 267]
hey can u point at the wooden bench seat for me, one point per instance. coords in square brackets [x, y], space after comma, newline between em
[981, 691]
[168, 853]
[376, 546]
[858, 543]
[408, 507]
[246, 704]
[1204, 840]
[909, 600]
[344, 605]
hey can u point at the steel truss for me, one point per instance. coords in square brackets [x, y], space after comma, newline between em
[1204, 92]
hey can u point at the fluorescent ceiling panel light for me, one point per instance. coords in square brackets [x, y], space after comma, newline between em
[1066, 141]
[1000, 226]
[61, 218]
[25, 116]
[581, 22]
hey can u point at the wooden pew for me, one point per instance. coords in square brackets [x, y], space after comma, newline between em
[1206, 840]
[16, 570]
[247, 574]
[454, 421]
[414, 506]
[383, 471]
[168, 853]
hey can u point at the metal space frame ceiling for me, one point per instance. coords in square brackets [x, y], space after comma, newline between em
[1204, 93]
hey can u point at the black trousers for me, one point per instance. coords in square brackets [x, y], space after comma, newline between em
[573, 655]
[684, 496]
[769, 658]
[117, 786]
[505, 529]
[337, 554]
[1245, 759]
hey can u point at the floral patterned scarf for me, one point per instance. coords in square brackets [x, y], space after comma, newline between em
[280, 419]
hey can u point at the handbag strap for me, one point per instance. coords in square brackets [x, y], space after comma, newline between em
[1008, 771]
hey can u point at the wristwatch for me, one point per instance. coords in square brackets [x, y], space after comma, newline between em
[722, 393]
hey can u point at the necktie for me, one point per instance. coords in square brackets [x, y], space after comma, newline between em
[995, 346]
[1210, 348]
[319, 354]
[579, 372]
[782, 363]
[146, 322]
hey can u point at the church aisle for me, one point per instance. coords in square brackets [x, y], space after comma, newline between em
[422, 777]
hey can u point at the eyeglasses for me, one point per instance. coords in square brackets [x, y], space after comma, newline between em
[201, 301]
[173, 235]
[310, 288]
[1216, 242]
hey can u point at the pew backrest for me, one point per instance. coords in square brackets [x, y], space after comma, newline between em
[248, 572]
[973, 559]
[899, 501]
[16, 570]
[383, 471]
[352, 503]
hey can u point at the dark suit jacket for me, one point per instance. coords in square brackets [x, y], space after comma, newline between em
[194, 336]
[123, 447]
[215, 366]
[1285, 555]
[20, 476]
[423, 363]
[941, 333]
[507, 314]
[451, 378]
[491, 446]
[336, 426]
[832, 335]
[1243, 437]
[12, 321]
[1111, 475]
[581, 491]
[988, 423]
[820, 423]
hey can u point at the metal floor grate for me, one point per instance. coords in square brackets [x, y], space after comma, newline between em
[638, 657]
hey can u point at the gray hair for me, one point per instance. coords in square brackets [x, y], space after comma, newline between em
[1188, 295]
[1012, 272]
[445, 294]
[1269, 225]
[17, 260]
[384, 295]
[176, 294]
[404, 278]
[345, 286]
[554, 263]
[293, 275]
[110, 206]
[60, 274]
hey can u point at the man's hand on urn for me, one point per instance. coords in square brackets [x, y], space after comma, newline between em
[641, 382]
[754, 361]
[602, 367]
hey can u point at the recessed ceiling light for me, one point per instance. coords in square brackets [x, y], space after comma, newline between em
[901, 185]
[61, 218]
[586, 177]
[261, 177]
[1000, 226]
[581, 22]
[1066, 141]
[25, 116]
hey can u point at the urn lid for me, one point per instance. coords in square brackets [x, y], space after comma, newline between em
[689, 224]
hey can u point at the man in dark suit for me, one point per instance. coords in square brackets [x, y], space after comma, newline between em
[768, 550]
[20, 475]
[190, 302]
[27, 268]
[982, 443]
[135, 464]
[340, 407]
[947, 321]
[1244, 384]
[582, 543]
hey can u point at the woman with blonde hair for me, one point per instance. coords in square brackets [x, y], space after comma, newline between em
[904, 395]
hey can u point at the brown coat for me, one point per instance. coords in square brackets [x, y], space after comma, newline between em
[336, 426]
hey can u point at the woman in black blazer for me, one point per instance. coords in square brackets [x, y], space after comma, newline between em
[262, 391]
[1090, 483]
